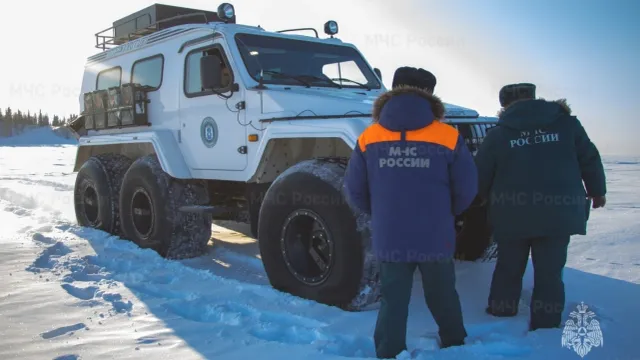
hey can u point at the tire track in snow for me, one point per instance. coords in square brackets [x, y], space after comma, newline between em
[259, 312]
[45, 183]
[26, 206]
[227, 303]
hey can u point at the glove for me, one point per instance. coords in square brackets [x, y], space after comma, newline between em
[598, 201]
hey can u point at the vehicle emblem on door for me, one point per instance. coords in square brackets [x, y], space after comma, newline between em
[209, 132]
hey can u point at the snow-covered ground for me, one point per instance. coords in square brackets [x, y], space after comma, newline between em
[68, 292]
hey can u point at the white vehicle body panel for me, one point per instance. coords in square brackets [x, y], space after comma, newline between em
[177, 120]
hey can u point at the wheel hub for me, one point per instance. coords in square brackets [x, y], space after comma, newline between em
[142, 213]
[307, 247]
[90, 205]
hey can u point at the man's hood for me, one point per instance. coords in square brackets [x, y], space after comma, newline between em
[407, 108]
[532, 114]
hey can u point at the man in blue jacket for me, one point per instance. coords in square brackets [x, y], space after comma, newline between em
[413, 174]
[531, 171]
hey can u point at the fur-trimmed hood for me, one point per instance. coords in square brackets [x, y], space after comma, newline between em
[407, 108]
[533, 113]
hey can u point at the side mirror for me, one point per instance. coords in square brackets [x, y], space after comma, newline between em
[210, 72]
[378, 72]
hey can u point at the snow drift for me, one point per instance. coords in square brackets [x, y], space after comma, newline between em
[41, 136]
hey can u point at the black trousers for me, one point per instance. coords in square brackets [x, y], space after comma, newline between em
[438, 281]
[549, 256]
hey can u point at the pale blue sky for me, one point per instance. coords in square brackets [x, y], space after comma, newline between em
[586, 51]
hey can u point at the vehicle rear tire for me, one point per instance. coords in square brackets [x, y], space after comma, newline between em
[149, 203]
[97, 191]
[309, 240]
[474, 236]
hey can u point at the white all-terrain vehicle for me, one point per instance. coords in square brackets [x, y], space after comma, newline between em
[188, 117]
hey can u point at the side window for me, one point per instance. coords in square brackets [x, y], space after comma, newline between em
[109, 78]
[148, 71]
[192, 83]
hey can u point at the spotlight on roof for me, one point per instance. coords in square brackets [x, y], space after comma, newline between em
[226, 11]
[331, 28]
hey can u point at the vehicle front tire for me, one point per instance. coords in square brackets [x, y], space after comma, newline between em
[309, 240]
[97, 190]
[149, 208]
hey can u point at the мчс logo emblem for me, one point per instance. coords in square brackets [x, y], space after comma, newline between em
[209, 132]
[584, 333]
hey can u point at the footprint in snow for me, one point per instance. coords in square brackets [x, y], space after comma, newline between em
[82, 293]
[146, 340]
[83, 270]
[91, 293]
[283, 328]
[118, 304]
[16, 210]
[25, 229]
[42, 239]
[44, 229]
[48, 258]
[63, 331]
[68, 357]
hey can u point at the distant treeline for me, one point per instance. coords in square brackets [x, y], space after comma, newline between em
[15, 122]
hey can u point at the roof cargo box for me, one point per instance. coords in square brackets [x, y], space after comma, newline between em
[155, 18]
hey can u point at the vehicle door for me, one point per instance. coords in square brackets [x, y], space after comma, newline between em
[212, 136]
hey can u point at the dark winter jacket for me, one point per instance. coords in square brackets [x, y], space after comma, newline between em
[531, 169]
[412, 174]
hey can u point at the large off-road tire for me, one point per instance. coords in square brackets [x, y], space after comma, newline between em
[474, 236]
[97, 192]
[304, 213]
[150, 200]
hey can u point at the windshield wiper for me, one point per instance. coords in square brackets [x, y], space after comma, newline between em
[328, 81]
[351, 81]
[294, 77]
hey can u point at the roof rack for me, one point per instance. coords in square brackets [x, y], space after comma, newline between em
[106, 42]
[310, 29]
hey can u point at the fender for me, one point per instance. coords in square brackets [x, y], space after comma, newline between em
[163, 143]
[345, 131]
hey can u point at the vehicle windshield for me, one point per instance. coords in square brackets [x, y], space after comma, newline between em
[304, 63]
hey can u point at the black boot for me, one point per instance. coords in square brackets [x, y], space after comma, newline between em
[446, 345]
